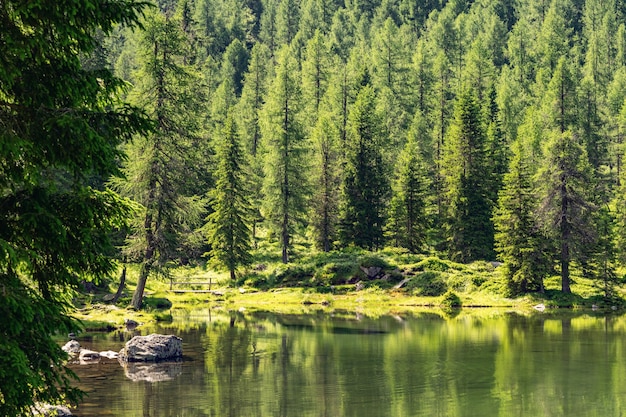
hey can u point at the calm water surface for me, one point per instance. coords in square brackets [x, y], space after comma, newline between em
[348, 365]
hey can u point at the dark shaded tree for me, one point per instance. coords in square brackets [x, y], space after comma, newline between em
[228, 227]
[566, 208]
[365, 186]
[61, 128]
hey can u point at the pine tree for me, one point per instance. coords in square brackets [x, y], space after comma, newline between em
[228, 224]
[61, 128]
[470, 229]
[285, 185]
[326, 182]
[518, 239]
[408, 224]
[566, 208]
[365, 187]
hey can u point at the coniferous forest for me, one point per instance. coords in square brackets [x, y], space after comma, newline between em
[486, 130]
[194, 130]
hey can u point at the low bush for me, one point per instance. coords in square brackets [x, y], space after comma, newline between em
[429, 284]
[450, 300]
[433, 264]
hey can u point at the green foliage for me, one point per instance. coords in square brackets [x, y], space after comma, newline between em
[450, 300]
[229, 232]
[61, 127]
[157, 303]
[285, 184]
[365, 186]
[566, 210]
[470, 229]
[433, 264]
[373, 261]
[428, 284]
[519, 243]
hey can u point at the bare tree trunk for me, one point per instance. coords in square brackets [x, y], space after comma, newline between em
[121, 287]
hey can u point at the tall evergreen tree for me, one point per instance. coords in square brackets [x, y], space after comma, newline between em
[228, 225]
[566, 207]
[326, 182]
[365, 186]
[470, 229]
[61, 128]
[284, 187]
[159, 173]
[407, 224]
[518, 239]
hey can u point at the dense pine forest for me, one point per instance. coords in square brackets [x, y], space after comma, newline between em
[215, 130]
[486, 130]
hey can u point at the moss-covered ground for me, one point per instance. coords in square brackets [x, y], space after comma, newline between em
[391, 281]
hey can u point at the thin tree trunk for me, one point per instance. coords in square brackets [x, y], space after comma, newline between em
[121, 287]
[565, 237]
[137, 300]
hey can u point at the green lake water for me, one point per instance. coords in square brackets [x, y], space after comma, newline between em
[349, 365]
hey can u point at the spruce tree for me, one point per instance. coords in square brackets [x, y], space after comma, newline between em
[469, 225]
[62, 125]
[162, 171]
[407, 224]
[326, 181]
[228, 225]
[518, 239]
[365, 186]
[566, 207]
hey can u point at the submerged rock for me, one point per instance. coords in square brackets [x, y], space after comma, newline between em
[152, 348]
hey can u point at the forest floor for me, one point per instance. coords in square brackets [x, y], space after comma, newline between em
[370, 283]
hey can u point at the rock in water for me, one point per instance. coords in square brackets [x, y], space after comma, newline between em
[88, 355]
[47, 410]
[71, 347]
[152, 348]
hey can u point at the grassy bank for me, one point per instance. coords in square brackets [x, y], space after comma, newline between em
[385, 282]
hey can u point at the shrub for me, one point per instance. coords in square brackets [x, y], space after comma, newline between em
[429, 284]
[433, 264]
[336, 273]
[450, 300]
[371, 260]
[157, 303]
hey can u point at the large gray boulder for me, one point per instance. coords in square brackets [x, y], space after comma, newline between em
[152, 348]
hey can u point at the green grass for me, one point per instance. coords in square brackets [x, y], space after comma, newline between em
[332, 282]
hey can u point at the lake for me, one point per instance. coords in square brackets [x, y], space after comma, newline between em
[346, 364]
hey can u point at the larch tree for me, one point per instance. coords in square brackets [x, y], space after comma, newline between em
[228, 226]
[285, 181]
[365, 186]
[159, 171]
[62, 125]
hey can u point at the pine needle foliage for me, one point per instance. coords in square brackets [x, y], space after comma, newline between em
[228, 225]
